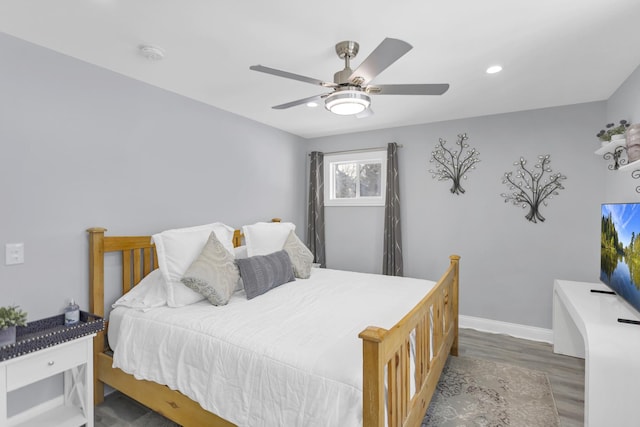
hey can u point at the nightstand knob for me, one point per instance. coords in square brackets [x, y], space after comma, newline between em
[51, 363]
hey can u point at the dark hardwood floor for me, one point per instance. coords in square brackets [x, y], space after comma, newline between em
[566, 375]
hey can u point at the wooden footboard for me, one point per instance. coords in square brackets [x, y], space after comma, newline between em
[433, 322]
[387, 356]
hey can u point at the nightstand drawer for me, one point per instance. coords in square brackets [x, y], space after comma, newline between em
[45, 363]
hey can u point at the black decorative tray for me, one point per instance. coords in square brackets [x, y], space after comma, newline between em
[48, 332]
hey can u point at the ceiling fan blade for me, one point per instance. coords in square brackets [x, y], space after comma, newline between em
[387, 52]
[409, 89]
[299, 102]
[288, 75]
[366, 113]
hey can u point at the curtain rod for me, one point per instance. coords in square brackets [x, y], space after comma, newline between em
[361, 150]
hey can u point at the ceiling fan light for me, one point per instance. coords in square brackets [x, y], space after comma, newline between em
[347, 102]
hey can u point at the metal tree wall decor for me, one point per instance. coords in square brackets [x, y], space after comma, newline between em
[453, 163]
[532, 188]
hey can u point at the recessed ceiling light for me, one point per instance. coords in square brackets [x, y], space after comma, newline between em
[312, 104]
[494, 69]
[152, 53]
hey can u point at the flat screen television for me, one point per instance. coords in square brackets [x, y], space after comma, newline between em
[620, 250]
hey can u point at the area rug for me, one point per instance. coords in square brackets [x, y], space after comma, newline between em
[470, 393]
[475, 392]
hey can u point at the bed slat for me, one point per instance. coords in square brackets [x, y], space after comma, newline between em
[419, 350]
[406, 378]
[392, 398]
[437, 322]
[126, 271]
[137, 266]
[147, 258]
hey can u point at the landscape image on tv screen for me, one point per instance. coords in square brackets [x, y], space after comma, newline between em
[620, 250]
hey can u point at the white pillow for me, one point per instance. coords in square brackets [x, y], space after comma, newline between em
[177, 249]
[149, 293]
[263, 238]
[240, 252]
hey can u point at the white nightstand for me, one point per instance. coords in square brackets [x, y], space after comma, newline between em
[74, 408]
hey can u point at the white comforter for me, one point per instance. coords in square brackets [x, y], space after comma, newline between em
[290, 357]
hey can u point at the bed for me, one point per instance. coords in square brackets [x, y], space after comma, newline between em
[399, 367]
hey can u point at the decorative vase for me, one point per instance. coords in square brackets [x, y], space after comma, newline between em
[617, 137]
[633, 143]
[7, 336]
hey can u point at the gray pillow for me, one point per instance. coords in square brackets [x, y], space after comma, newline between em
[301, 256]
[214, 274]
[262, 273]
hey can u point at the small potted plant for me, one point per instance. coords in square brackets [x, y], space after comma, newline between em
[612, 132]
[10, 317]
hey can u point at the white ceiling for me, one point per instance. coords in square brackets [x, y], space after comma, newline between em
[554, 52]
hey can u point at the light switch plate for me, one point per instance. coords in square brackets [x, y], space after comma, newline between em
[14, 253]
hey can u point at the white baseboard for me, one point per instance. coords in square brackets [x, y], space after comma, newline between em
[532, 333]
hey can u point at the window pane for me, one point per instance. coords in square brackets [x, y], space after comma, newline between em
[370, 179]
[345, 180]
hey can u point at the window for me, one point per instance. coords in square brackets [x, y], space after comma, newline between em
[355, 179]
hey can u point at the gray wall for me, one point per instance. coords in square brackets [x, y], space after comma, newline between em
[83, 146]
[508, 264]
[624, 104]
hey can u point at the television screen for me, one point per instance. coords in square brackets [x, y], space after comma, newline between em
[620, 250]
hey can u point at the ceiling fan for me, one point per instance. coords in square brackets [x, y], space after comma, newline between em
[352, 89]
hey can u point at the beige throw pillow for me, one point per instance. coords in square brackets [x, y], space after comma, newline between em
[214, 274]
[301, 256]
[177, 249]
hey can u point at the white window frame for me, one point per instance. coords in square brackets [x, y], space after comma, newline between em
[330, 160]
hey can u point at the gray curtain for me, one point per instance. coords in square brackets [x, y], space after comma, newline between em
[315, 218]
[392, 255]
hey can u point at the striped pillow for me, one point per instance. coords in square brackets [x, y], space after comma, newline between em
[262, 273]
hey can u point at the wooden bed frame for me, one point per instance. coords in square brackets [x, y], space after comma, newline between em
[434, 320]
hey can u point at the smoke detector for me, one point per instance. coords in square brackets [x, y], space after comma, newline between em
[152, 53]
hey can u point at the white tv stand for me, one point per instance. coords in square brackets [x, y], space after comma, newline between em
[585, 325]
